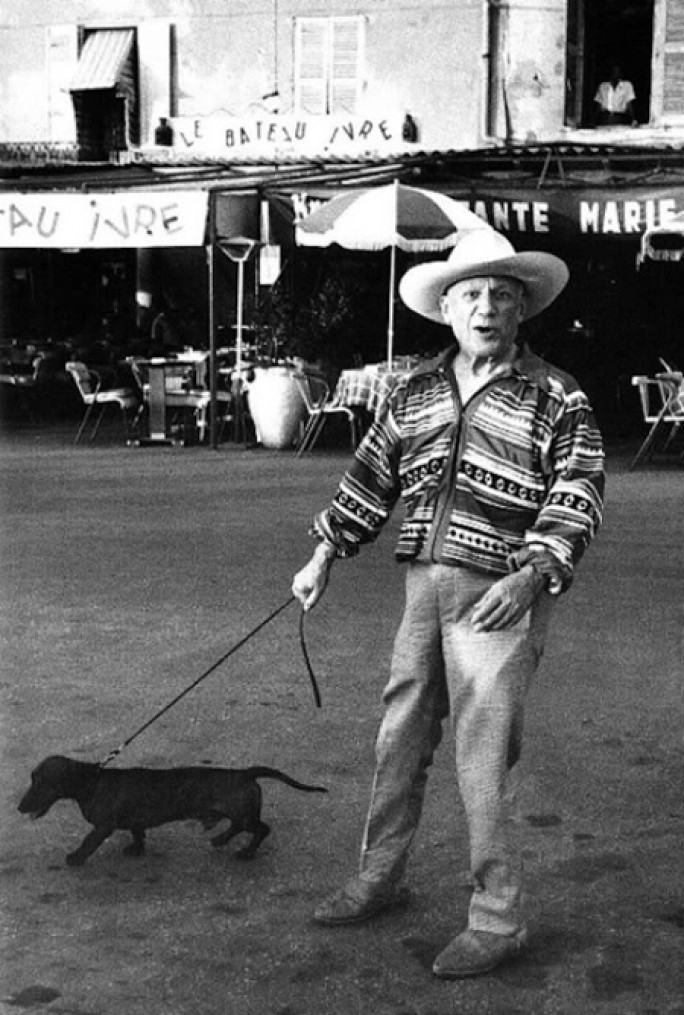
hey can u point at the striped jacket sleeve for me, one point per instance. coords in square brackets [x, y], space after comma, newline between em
[572, 510]
[367, 492]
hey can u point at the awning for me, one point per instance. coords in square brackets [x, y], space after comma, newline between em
[103, 59]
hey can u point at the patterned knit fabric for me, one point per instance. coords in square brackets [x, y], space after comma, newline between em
[520, 464]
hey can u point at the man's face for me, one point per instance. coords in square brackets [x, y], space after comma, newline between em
[484, 314]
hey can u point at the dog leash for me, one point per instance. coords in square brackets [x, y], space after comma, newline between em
[302, 641]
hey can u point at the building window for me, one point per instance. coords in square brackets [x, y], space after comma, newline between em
[104, 90]
[600, 35]
[328, 65]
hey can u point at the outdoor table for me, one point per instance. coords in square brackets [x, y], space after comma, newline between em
[367, 387]
[168, 382]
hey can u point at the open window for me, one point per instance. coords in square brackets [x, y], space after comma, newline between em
[600, 34]
[104, 91]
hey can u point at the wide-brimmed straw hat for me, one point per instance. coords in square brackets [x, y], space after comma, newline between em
[484, 253]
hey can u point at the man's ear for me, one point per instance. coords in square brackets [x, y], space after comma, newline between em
[444, 308]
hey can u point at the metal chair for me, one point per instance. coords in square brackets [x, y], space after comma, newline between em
[662, 406]
[94, 397]
[202, 403]
[320, 407]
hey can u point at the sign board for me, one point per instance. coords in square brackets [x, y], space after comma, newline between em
[125, 219]
[224, 136]
[558, 214]
[607, 212]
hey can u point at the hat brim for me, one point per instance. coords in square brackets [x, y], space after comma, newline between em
[543, 276]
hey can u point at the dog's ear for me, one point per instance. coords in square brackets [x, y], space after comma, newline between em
[51, 767]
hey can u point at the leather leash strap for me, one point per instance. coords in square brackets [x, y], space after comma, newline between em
[317, 697]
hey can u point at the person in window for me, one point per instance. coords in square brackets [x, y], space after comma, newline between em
[615, 100]
[499, 462]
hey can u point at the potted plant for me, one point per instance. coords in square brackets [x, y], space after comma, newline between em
[273, 396]
[293, 340]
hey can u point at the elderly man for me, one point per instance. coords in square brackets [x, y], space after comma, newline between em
[499, 463]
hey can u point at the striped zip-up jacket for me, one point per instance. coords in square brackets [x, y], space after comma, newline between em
[520, 463]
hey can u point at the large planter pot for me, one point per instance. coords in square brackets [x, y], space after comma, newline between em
[276, 406]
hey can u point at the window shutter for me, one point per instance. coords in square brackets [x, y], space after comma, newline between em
[311, 66]
[345, 76]
[673, 93]
[61, 44]
[667, 85]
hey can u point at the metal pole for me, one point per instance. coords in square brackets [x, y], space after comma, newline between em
[213, 429]
[392, 282]
[390, 318]
[240, 297]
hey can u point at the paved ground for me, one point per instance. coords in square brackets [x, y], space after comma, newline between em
[127, 572]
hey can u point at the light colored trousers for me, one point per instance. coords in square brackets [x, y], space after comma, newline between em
[441, 666]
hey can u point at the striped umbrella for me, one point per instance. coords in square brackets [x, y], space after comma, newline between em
[394, 216]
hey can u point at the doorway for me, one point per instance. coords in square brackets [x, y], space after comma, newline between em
[602, 33]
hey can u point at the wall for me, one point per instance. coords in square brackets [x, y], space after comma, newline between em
[23, 87]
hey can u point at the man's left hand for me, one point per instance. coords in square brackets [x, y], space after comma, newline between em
[507, 601]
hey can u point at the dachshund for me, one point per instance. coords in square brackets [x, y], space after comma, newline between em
[135, 799]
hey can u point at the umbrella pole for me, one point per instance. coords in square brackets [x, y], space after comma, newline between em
[390, 314]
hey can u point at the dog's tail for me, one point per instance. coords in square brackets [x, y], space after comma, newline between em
[261, 772]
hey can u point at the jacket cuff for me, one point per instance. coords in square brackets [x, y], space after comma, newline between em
[557, 576]
[323, 531]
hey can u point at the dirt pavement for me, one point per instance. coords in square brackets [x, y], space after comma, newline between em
[127, 572]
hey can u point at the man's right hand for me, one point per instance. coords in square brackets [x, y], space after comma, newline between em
[309, 584]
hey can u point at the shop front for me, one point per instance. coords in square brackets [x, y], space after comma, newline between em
[104, 274]
[613, 320]
[82, 259]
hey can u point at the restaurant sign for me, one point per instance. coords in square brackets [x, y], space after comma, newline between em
[559, 213]
[124, 219]
[224, 136]
[582, 212]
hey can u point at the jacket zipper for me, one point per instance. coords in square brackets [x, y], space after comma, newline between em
[447, 494]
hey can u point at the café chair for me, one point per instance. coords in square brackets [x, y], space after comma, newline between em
[94, 397]
[200, 401]
[662, 407]
[320, 407]
[22, 385]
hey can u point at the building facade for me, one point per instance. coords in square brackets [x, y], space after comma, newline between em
[483, 99]
[238, 78]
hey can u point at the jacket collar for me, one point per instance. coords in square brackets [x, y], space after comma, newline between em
[527, 365]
